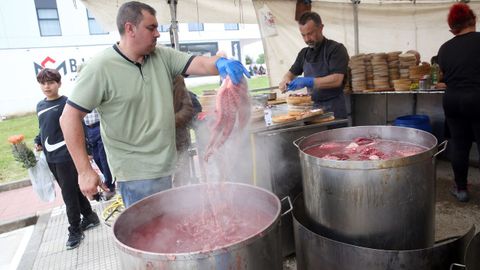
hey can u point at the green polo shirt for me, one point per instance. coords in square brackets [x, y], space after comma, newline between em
[135, 103]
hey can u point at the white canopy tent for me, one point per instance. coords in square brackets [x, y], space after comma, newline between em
[205, 11]
[383, 26]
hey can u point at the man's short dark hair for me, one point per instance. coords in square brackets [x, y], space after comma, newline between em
[49, 74]
[132, 12]
[310, 15]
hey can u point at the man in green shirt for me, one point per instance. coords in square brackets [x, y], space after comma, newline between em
[130, 84]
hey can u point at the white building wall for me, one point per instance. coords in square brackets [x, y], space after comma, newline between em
[20, 91]
[19, 26]
[22, 48]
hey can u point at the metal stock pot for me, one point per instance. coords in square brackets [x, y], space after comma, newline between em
[472, 258]
[383, 204]
[314, 251]
[262, 250]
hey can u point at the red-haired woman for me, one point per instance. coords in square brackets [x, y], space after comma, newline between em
[459, 60]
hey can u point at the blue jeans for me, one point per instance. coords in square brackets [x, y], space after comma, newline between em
[135, 190]
[98, 152]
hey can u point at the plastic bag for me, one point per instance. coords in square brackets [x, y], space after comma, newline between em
[97, 170]
[43, 181]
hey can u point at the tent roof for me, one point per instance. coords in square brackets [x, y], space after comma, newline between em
[211, 11]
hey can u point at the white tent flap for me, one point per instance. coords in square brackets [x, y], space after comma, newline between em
[382, 28]
[210, 11]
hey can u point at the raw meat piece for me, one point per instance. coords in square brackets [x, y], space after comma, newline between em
[363, 140]
[371, 154]
[364, 148]
[352, 146]
[231, 100]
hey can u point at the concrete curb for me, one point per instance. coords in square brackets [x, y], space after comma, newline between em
[11, 225]
[17, 223]
[15, 185]
[31, 251]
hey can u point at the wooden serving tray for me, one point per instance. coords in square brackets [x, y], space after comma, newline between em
[277, 101]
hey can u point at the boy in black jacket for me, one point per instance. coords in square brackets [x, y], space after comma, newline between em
[50, 140]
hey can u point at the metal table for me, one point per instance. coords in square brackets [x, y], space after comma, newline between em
[382, 108]
[387, 104]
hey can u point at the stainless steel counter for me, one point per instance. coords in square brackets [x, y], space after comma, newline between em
[382, 108]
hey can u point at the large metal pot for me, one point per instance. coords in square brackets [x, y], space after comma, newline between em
[262, 250]
[384, 204]
[472, 260]
[315, 251]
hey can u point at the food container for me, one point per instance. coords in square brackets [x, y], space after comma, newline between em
[272, 96]
[315, 251]
[384, 204]
[260, 100]
[233, 207]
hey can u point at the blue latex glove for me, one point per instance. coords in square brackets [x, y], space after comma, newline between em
[300, 82]
[233, 68]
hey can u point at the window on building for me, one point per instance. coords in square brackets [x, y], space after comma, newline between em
[231, 26]
[205, 49]
[195, 27]
[94, 27]
[48, 20]
[164, 28]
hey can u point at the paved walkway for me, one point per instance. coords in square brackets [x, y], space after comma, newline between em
[23, 203]
[46, 249]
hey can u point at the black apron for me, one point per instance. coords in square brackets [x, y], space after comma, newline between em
[330, 100]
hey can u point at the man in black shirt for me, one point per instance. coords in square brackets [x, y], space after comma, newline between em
[324, 65]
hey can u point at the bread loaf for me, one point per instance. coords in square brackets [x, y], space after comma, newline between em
[299, 99]
[283, 118]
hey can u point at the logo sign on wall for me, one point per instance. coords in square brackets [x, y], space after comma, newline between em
[67, 68]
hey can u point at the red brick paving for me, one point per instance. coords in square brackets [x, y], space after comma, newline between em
[23, 202]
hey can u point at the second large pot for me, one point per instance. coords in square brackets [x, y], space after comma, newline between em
[383, 204]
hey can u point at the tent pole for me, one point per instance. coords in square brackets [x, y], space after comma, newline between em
[174, 25]
[355, 24]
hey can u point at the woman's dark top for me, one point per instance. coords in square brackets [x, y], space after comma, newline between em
[459, 60]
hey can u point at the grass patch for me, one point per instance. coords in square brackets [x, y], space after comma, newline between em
[253, 83]
[10, 170]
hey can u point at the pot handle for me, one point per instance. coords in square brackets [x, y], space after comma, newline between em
[457, 264]
[289, 203]
[443, 145]
[296, 142]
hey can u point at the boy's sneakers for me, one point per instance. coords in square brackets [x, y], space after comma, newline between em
[90, 221]
[75, 236]
[460, 194]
